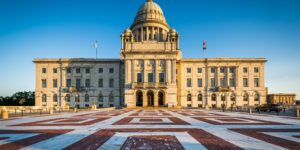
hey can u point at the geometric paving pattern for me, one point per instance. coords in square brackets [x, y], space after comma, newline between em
[150, 129]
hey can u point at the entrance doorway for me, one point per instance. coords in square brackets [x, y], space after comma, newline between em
[161, 98]
[150, 96]
[139, 98]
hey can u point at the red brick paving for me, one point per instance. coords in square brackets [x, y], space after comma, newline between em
[153, 142]
[235, 118]
[257, 133]
[45, 134]
[175, 120]
[210, 141]
[151, 119]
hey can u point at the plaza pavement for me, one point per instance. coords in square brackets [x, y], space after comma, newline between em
[150, 129]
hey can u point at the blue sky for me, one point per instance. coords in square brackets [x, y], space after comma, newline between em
[232, 28]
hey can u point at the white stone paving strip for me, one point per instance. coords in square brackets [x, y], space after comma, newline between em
[15, 137]
[285, 135]
[186, 140]
[62, 141]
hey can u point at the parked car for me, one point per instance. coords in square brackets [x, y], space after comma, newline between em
[270, 108]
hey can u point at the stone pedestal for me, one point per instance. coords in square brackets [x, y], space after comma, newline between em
[298, 111]
[51, 111]
[94, 107]
[75, 110]
[4, 114]
[206, 107]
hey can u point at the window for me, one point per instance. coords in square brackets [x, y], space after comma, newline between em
[199, 82]
[245, 70]
[87, 83]
[111, 70]
[69, 70]
[189, 82]
[245, 97]
[111, 97]
[213, 70]
[213, 97]
[44, 98]
[245, 82]
[86, 98]
[100, 97]
[44, 83]
[222, 70]
[54, 83]
[199, 70]
[256, 70]
[78, 84]
[232, 97]
[189, 97]
[232, 70]
[212, 82]
[111, 83]
[100, 70]
[150, 78]
[54, 70]
[44, 70]
[67, 98]
[222, 82]
[200, 98]
[69, 82]
[87, 70]
[256, 82]
[100, 83]
[139, 77]
[223, 97]
[77, 70]
[161, 77]
[76, 98]
[256, 97]
[55, 98]
[231, 82]
[188, 70]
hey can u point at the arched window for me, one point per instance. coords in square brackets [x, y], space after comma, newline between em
[77, 98]
[55, 98]
[200, 98]
[189, 97]
[86, 98]
[245, 97]
[100, 98]
[223, 97]
[256, 97]
[44, 98]
[232, 97]
[67, 98]
[111, 97]
[213, 97]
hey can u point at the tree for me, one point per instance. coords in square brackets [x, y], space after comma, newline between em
[18, 99]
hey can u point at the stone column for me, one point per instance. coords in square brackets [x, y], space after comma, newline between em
[168, 71]
[145, 99]
[133, 72]
[156, 72]
[128, 71]
[155, 98]
[173, 71]
[142, 34]
[144, 72]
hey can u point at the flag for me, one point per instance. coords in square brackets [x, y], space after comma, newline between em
[96, 45]
[204, 45]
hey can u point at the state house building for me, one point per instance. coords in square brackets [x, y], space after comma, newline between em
[150, 72]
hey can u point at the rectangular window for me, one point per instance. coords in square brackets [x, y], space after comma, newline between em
[256, 82]
[44, 83]
[245, 82]
[55, 70]
[77, 70]
[78, 84]
[100, 83]
[199, 70]
[256, 70]
[100, 70]
[199, 82]
[213, 70]
[189, 82]
[139, 77]
[232, 70]
[69, 70]
[111, 70]
[44, 70]
[111, 83]
[222, 70]
[245, 70]
[87, 70]
[231, 82]
[161, 77]
[150, 78]
[87, 83]
[212, 82]
[69, 82]
[222, 82]
[188, 70]
[54, 83]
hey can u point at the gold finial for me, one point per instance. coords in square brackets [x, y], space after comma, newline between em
[149, 0]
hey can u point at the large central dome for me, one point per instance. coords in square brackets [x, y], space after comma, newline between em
[150, 12]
